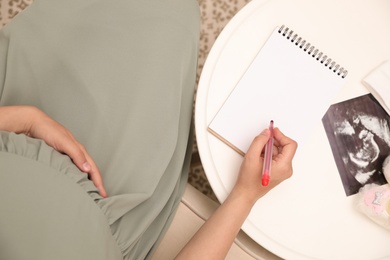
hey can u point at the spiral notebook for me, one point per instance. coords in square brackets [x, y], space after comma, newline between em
[289, 81]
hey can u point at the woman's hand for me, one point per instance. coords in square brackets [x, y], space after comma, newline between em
[215, 237]
[249, 179]
[35, 123]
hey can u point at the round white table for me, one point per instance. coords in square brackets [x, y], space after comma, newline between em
[308, 216]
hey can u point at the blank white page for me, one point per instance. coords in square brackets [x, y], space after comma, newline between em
[284, 83]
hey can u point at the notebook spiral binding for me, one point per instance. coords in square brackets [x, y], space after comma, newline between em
[311, 50]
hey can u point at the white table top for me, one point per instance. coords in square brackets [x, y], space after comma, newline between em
[308, 216]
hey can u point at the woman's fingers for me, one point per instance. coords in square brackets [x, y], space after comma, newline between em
[62, 140]
[258, 143]
[94, 173]
[84, 162]
[287, 145]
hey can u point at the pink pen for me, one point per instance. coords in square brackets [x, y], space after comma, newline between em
[268, 156]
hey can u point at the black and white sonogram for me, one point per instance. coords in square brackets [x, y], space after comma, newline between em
[359, 136]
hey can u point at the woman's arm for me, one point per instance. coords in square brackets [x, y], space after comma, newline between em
[35, 123]
[215, 237]
[17, 119]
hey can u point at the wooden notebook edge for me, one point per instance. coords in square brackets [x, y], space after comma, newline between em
[225, 141]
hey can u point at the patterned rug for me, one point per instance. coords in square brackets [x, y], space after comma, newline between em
[215, 14]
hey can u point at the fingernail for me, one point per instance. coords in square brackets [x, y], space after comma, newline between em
[265, 132]
[86, 166]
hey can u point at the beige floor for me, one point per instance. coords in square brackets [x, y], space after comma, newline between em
[215, 14]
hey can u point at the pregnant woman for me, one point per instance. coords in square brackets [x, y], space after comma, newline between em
[96, 102]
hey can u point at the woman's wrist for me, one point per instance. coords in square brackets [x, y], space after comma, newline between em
[35, 116]
[32, 115]
[245, 196]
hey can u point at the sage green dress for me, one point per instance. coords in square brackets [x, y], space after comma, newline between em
[120, 75]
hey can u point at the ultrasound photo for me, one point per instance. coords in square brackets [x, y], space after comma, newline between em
[359, 135]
